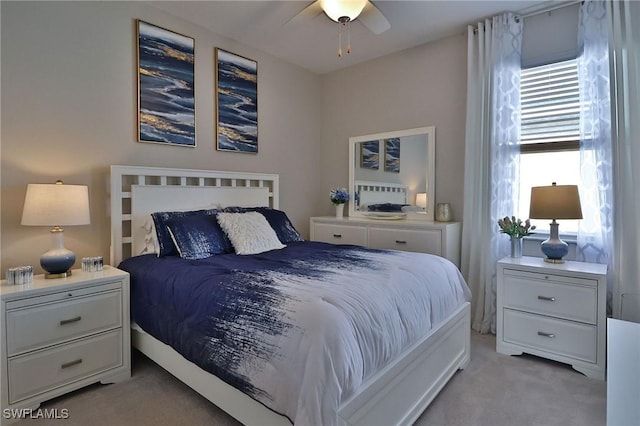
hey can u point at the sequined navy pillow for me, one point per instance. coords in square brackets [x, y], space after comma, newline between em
[198, 237]
[277, 219]
[160, 219]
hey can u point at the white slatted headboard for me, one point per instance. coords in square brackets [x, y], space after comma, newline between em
[381, 192]
[137, 192]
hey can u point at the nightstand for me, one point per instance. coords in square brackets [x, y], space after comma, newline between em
[62, 334]
[555, 311]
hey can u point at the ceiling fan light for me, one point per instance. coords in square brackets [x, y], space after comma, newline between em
[336, 9]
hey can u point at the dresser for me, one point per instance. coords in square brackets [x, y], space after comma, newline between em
[62, 334]
[555, 311]
[439, 238]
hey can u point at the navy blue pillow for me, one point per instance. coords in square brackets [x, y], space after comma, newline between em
[160, 219]
[277, 219]
[198, 236]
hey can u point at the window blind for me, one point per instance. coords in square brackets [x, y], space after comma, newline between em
[550, 103]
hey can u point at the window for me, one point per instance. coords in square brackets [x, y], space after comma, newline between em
[550, 132]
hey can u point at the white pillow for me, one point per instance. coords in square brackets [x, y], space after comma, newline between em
[150, 236]
[250, 233]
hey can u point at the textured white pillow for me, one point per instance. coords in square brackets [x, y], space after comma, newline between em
[150, 237]
[250, 233]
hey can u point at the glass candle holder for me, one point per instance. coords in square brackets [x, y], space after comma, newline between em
[443, 212]
[19, 275]
[92, 264]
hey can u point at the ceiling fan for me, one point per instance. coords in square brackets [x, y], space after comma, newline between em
[344, 12]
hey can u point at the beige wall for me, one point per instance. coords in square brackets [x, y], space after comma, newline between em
[422, 86]
[69, 108]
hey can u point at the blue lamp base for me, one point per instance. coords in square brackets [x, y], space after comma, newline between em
[58, 261]
[554, 248]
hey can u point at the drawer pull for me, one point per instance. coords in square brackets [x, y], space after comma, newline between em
[70, 320]
[547, 298]
[337, 235]
[401, 242]
[549, 335]
[71, 363]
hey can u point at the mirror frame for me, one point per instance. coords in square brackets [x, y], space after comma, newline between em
[430, 131]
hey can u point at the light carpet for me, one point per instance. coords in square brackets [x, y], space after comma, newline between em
[494, 390]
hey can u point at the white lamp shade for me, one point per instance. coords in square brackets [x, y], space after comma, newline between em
[336, 9]
[56, 205]
[421, 199]
[555, 202]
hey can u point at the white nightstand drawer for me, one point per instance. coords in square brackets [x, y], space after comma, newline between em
[46, 324]
[40, 371]
[338, 234]
[568, 338]
[551, 297]
[406, 240]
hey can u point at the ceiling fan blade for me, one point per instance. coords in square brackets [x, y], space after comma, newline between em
[373, 19]
[308, 13]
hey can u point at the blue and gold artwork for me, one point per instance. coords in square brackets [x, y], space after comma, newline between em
[166, 93]
[370, 155]
[392, 155]
[236, 103]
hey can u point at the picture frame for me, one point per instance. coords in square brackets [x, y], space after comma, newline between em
[392, 155]
[370, 155]
[166, 86]
[236, 85]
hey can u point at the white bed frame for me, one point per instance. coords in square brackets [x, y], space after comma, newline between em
[397, 395]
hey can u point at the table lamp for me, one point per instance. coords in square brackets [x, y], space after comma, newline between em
[421, 201]
[56, 205]
[555, 202]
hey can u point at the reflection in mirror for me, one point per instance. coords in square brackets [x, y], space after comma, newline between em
[393, 173]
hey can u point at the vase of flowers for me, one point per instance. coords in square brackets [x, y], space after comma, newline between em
[516, 229]
[339, 196]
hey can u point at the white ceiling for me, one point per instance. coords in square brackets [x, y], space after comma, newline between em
[263, 25]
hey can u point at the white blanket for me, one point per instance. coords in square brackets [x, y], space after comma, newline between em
[348, 324]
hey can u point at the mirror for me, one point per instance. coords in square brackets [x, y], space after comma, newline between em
[388, 170]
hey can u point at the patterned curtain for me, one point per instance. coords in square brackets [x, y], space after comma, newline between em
[491, 156]
[595, 233]
[624, 30]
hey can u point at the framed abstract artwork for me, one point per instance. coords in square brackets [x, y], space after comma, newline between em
[166, 91]
[392, 155]
[236, 103]
[370, 155]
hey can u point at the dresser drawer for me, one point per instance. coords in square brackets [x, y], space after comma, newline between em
[41, 371]
[567, 338]
[42, 325]
[339, 234]
[425, 241]
[544, 294]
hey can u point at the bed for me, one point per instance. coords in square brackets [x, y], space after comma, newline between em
[396, 392]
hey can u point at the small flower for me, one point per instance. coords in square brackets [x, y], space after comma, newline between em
[515, 227]
[339, 195]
